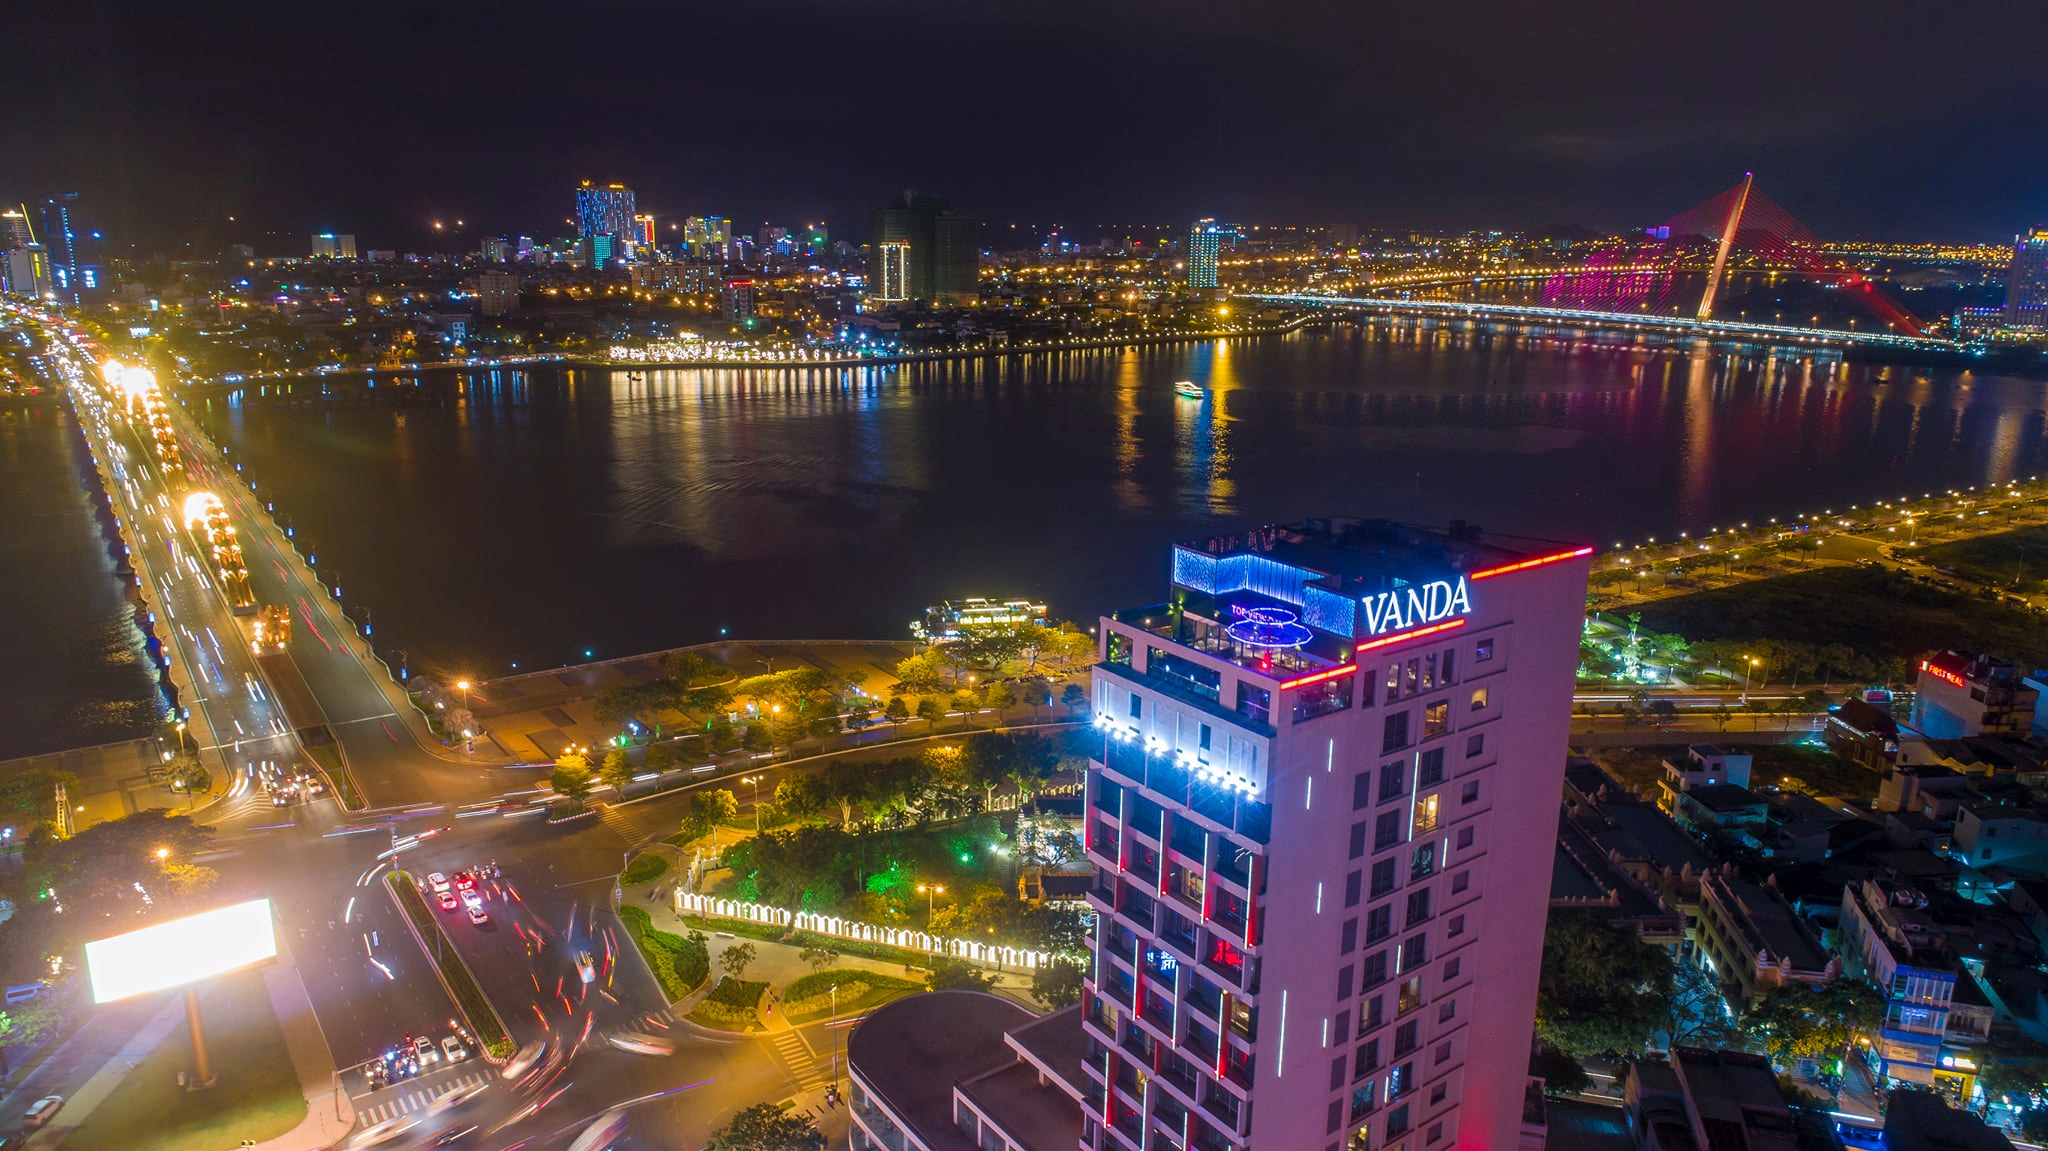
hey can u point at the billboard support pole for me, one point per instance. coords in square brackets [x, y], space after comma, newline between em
[202, 1070]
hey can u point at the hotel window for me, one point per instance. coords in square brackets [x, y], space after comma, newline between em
[1379, 923]
[1423, 863]
[1414, 676]
[1457, 927]
[1351, 885]
[1373, 972]
[1361, 1139]
[1448, 1009]
[1470, 794]
[1425, 813]
[1410, 997]
[1441, 1090]
[1371, 1013]
[1397, 1119]
[1429, 671]
[1204, 742]
[1407, 1037]
[1436, 719]
[1191, 885]
[1394, 680]
[1430, 768]
[1366, 1059]
[1465, 837]
[1482, 651]
[1418, 907]
[1443, 1055]
[1460, 882]
[1475, 744]
[1450, 661]
[1479, 698]
[1436, 1133]
[1349, 942]
[1414, 952]
[1382, 877]
[1386, 830]
[1393, 780]
[1394, 735]
[1137, 706]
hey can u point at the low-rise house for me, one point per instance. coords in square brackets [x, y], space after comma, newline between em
[1754, 941]
[1862, 733]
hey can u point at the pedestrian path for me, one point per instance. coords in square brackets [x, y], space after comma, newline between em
[619, 823]
[797, 1059]
[409, 1102]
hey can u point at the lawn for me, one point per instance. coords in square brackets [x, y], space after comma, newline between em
[1814, 770]
[1999, 560]
[257, 1098]
[1882, 614]
[679, 963]
[808, 999]
[645, 868]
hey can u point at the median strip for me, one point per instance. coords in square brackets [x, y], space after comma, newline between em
[454, 974]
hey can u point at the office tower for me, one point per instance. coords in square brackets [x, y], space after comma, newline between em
[334, 246]
[2026, 284]
[496, 250]
[693, 237]
[604, 210]
[59, 238]
[15, 229]
[1205, 240]
[817, 239]
[892, 269]
[28, 273]
[1323, 813]
[599, 251]
[941, 249]
[523, 248]
[643, 231]
[717, 233]
[771, 239]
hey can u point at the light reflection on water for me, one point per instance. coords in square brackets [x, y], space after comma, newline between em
[529, 517]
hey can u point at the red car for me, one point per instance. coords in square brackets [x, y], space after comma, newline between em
[465, 880]
[448, 901]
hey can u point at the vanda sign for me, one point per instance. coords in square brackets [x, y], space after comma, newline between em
[1415, 606]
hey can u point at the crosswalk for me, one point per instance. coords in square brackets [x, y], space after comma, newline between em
[619, 823]
[797, 1060]
[418, 1098]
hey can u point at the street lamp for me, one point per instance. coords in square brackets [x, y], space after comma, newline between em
[462, 685]
[162, 853]
[756, 781]
[933, 890]
[1749, 663]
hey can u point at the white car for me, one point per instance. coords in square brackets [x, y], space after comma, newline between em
[457, 1098]
[423, 1049]
[523, 1061]
[602, 1133]
[437, 882]
[640, 1044]
[586, 967]
[384, 1132]
[453, 1049]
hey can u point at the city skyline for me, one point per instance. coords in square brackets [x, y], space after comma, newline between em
[1487, 133]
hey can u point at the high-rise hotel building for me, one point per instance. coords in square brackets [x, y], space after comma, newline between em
[1323, 815]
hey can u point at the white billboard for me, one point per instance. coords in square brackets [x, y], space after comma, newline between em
[181, 951]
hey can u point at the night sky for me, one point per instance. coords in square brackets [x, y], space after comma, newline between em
[1878, 118]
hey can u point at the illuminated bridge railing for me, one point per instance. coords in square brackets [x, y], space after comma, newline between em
[1777, 333]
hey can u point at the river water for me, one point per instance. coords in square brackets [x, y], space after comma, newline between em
[534, 517]
[72, 672]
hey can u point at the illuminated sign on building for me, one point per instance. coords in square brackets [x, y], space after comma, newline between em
[1415, 605]
[1943, 674]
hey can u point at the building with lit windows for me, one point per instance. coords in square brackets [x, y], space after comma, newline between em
[59, 238]
[604, 210]
[334, 246]
[643, 231]
[1205, 243]
[1957, 695]
[2026, 284]
[1324, 812]
[938, 251]
[892, 271]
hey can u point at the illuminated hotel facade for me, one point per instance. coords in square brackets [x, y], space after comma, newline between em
[1323, 812]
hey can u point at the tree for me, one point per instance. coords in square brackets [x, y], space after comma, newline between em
[767, 1127]
[23, 1024]
[965, 703]
[801, 796]
[850, 785]
[958, 975]
[104, 870]
[189, 777]
[896, 711]
[618, 770]
[2013, 1070]
[996, 696]
[923, 672]
[1037, 696]
[571, 779]
[1601, 988]
[1802, 1021]
[1074, 697]
[818, 956]
[1698, 1015]
[1561, 1074]
[660, 757]
[708, 809]
[35, 790]
[736, 959]
[931, 710]
[1056, 984]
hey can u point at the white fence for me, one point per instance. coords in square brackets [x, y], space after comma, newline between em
[694, 903]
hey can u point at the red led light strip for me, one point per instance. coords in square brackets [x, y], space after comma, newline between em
[1534, 563]
[1418, 633]
[1318, 677]
[1943, 673]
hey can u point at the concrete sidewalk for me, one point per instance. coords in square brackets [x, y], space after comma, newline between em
[94, 1091]
[328, 1114]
